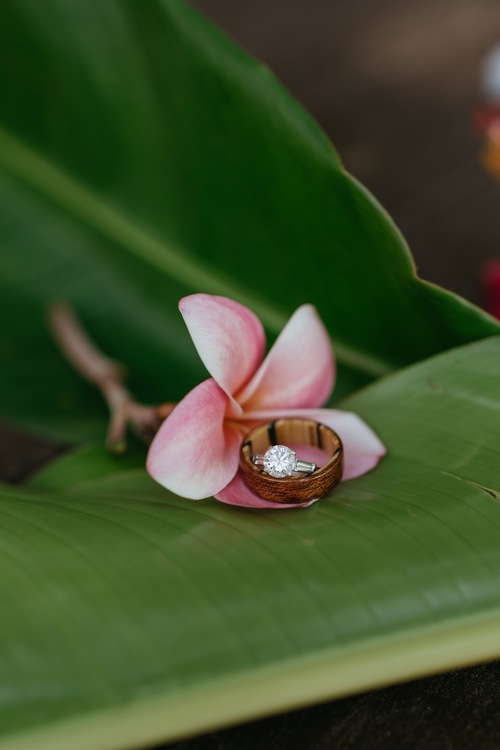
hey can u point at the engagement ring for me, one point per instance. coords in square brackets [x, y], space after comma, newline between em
[272, 470]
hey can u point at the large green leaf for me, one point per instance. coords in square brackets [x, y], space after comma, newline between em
[131, 616]
[144, 157]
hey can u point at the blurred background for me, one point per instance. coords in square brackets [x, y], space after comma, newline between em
[394, 84]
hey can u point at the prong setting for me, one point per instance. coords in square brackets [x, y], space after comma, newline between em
[280, 461]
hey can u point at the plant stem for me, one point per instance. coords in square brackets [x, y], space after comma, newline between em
[107, 375]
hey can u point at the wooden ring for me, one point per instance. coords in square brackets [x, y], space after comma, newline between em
[293, 489]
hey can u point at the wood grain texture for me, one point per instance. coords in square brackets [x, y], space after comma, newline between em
[295, 489]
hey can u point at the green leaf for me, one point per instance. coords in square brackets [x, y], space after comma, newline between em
[145, 157]
[131, 616]
[85, 464]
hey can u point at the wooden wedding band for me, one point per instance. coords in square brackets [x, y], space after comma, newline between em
[293, 489]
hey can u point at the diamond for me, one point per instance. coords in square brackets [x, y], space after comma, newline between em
[280, 461]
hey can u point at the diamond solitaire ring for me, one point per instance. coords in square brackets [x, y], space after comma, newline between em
[272, 470]
[281, 461]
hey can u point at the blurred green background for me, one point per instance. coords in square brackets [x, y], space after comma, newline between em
[394, 83]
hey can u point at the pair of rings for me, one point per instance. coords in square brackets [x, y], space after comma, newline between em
[272, 470]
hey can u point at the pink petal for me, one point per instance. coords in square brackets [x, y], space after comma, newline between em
[362, 448]
[299, 370]
[237, 493]
[228, 337]
[193, 453]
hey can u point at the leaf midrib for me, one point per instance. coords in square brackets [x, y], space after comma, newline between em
[334, 673]
[66, 192]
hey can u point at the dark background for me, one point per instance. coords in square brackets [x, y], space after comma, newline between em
[393, 83]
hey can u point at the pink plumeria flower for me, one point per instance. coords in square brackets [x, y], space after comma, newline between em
[196, 450]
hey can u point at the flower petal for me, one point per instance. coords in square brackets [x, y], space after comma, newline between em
[228, 337]
[237, 493]
[362, 448]
[299, 370]
[193, 453]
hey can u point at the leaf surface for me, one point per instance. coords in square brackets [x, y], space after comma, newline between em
[131, 616]
[143, 157]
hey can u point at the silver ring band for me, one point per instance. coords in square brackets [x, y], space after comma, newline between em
[281, 461]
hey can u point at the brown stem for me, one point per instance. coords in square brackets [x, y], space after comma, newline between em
[107, 375]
